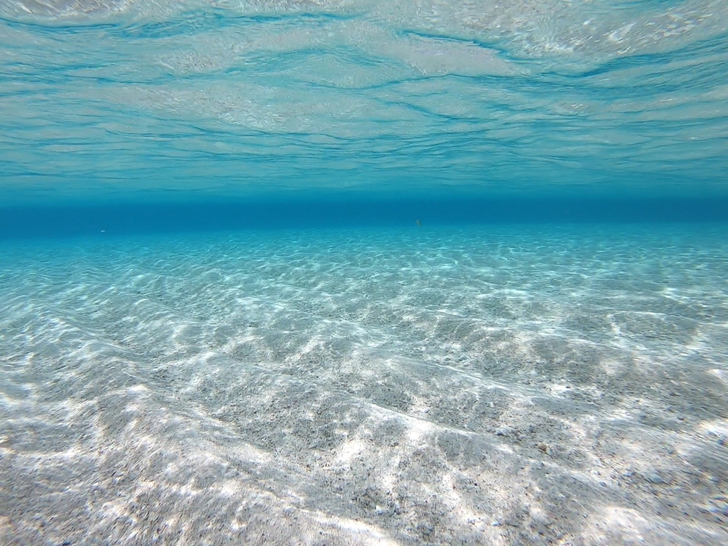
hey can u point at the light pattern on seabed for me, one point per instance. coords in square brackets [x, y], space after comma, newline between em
[486, 385]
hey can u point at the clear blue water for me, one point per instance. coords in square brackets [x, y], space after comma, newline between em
[363, 272]
[197, 100]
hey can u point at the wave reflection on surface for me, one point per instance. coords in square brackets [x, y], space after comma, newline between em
[240, 98]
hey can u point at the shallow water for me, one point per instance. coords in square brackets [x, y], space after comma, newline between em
[107, 99]
[363, 272]
[483, 384]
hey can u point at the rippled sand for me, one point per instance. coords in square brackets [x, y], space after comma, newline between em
[490, 385]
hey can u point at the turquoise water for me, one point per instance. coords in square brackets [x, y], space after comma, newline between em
[191, 100]
[363, 272]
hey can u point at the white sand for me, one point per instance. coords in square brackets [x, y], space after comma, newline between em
[445, 387]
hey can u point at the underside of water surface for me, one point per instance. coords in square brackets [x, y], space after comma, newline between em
[279, 98]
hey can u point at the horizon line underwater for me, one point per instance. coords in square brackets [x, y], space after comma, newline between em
[363, 272]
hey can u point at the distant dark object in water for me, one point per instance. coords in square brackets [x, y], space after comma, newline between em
[419, 224]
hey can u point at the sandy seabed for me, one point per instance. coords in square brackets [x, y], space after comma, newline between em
[497, 385]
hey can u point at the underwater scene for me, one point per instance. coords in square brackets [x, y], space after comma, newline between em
[363, 272]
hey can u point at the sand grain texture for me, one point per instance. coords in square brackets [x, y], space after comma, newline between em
[475, 386]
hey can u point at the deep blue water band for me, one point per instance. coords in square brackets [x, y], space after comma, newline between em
[127, 218]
